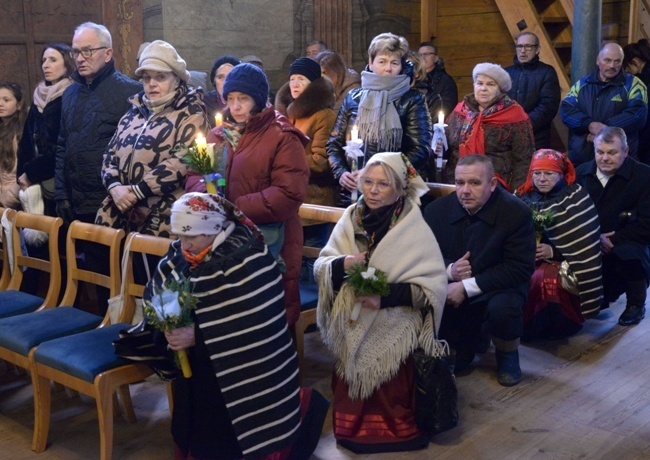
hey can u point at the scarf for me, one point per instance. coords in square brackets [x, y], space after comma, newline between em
[378, 119]
[371, 351]
[232, 132]
[472, 133]
[44, 93]
[374, 224]
[160, 103]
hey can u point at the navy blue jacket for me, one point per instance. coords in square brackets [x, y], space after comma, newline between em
[89, 117]
[621, 102]
[440, 91]
[536, 88]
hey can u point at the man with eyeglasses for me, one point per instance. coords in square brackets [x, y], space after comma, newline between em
[91, 109]
[606, 97]
[440, 88]
[535, 87]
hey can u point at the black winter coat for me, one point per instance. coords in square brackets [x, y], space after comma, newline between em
[89, 117]
[536, 88]
[37, 147]
[499, 237]
[416, 125]
[440, 91]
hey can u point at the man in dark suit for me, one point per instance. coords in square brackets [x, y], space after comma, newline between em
[618, 185]
[487, 240]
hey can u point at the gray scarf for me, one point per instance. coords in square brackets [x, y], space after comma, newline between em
[378, 119]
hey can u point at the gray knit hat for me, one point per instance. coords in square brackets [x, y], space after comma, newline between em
[162, 57]
[495, 72]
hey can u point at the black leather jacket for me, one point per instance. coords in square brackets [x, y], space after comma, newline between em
[416, 124]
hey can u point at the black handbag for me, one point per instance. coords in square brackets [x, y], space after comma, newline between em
[436, 394]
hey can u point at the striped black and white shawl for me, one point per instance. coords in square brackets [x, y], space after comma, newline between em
[575, 233]
[241, 315]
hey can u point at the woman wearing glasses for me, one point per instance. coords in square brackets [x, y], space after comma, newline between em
[488, 122]
[142, 169]
[374, 394]
[37, 148]
[573, 236]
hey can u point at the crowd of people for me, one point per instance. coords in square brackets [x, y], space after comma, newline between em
[532, 243]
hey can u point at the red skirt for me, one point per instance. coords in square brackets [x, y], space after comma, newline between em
[384, 422]
[551, 312]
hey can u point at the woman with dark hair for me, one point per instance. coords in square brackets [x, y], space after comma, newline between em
[635, 62]
[12, 114]
[344, 79]
[266, 172]
[214, 101]
[389, 114]
[36, 151]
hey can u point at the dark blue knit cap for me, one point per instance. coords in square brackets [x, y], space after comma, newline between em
[306, 67]
[248, 79]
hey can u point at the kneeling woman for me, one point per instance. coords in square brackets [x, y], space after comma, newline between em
[573, 236]
[243, 400]
[374, 394]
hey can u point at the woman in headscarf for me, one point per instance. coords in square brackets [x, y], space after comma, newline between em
[243, 400]
[142, 169]
[374, 394]
[36, 151]
[388, 113]
[488, 122]
[555, 310]
[266, 173]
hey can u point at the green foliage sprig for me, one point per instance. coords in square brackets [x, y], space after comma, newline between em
[542, 220]
[367, 281]
[171, 307]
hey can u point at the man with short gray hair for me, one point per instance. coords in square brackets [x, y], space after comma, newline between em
[618, 186]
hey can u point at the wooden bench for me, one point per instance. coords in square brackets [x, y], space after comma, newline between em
[309, 291]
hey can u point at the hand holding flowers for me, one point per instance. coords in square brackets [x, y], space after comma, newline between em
[170, 309]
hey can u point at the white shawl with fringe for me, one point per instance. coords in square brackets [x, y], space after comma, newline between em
[371, 351]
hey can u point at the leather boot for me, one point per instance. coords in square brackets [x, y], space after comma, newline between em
[507, 355]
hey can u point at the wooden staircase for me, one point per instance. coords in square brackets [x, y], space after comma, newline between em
[551, 21]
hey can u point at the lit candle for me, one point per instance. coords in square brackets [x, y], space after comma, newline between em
[354, 134]
[210, 152]
[201, 143]
[218, 119]
[441, 118]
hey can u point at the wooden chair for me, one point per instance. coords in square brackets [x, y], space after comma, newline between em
[4, 254]
[86, 362]
[309, 291]
[20, 333]
[12, 300]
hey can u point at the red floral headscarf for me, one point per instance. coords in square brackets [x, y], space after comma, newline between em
[548, 160]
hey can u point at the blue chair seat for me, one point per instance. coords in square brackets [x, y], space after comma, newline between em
[308, 296]
[21, 333]
[17, 303]
[83, 355]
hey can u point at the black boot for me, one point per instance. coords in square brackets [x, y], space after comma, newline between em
[632, 315]
[508, 370]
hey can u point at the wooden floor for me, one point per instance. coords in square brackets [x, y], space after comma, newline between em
[587, 397]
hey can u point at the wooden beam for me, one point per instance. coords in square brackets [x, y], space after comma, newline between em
[428, 20]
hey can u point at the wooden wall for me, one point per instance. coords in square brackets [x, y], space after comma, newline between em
[471, 31]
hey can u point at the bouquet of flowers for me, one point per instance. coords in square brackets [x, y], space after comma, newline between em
[170, 308]
[541, 221]
[366, 281]
[205, 159]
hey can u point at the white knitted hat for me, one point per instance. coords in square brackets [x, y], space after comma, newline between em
[162, 57]
[496, 72]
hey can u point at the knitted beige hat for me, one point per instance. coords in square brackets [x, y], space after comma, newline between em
[495, 72]
[162, 57]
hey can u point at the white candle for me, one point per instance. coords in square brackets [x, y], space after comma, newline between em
[218, 119]
[210, 152]
[441, 118]
[354, 134]
[201, 143]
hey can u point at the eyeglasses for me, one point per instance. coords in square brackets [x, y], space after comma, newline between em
[85, 53]
[369, 184]
[427, 54]
[526, 47]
